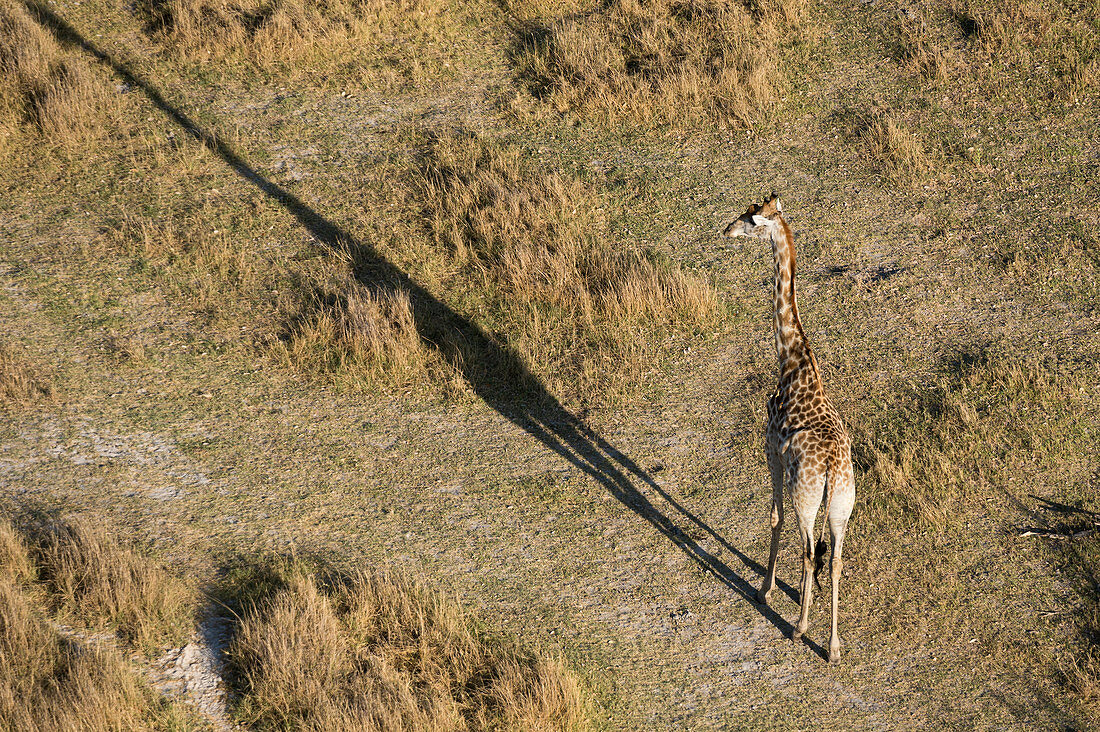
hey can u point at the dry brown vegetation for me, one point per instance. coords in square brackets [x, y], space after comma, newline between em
[918, 51]
[899, 151]
[348, 329]
[16, 564]
[92, 581]
[374, 652]
[20, 384]
[668, 61]
[199, 261]
[286, 34]
[932, 451]
[1047, 39]
[50, 683]
[41, 86]
[1065, 248]
[934, 456]
[1080, 663]
[529, 254]
[532, 251]
[326, 323]
[369, 652]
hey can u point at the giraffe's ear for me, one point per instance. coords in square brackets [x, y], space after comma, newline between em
[778, 205]
[760, 220]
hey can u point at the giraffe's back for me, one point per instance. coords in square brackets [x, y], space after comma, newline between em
[807, 434]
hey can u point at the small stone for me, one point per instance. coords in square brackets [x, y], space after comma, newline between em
[189, 655]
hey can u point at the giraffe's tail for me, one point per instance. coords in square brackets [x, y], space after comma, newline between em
[822, 545]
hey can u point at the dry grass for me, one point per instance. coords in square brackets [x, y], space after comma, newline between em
[129, 348]
[93, 582]
[1080, 663]
[330, 325]
[898, 151]
[526, 255]
[289, 34]
[932, 460]
[1053, 40]
[206, 262]
[531, 252]
[20, 385]
[672, 61]
[1060, 246]
[918, 51]
[194, 254]
[44, 87]
[361, 334]
[377, 653]
[926, 455]
[16, 565]
[1082, 674]
[1002, 28]
[50, 684]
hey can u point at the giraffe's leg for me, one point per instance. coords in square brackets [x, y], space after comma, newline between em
[806, 534]
[834, 575]
[775, 466]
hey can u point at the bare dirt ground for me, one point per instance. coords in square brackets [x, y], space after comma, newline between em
[629, 538]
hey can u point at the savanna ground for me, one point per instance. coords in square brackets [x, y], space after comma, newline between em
[436, 288]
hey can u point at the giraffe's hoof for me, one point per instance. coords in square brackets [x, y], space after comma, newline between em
[763, 597]
[796, 635]
[834, 655]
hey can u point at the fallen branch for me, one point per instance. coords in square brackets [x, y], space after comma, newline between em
[1064, 534]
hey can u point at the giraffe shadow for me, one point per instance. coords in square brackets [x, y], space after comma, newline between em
[495, 373]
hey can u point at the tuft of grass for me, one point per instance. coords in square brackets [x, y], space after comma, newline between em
[995, 26]
[898, 151]
[212, 28]
[293, 34]
[373, 652]
[530, 253]
[932, 460]
[50, 683]
[92, 581]
[16, 565]
[1065, 241]
[200, 260]
[347, 328]
[128, 348]
[1080, 664]
[20, 384]
[43, 87]
[669, 61]
[919, 50]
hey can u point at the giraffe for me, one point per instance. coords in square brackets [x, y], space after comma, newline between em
[808, 448]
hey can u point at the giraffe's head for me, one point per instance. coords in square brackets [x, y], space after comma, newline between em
[759, 221]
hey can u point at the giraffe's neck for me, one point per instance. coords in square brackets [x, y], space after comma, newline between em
[790, 340]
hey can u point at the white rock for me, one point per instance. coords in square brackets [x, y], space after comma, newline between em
[189, 655]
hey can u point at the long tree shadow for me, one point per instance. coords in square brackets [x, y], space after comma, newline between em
[497, 375]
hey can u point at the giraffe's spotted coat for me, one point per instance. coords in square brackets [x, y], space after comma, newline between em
[807, 447]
